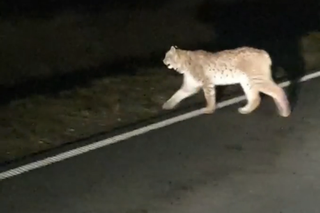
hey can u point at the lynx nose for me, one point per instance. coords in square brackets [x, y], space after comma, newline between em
[165, 62]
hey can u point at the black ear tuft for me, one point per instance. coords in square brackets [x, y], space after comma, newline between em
[173, 47]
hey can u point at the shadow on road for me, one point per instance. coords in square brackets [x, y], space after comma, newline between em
[276, 26]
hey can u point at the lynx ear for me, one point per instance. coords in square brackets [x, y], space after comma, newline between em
[174, 47]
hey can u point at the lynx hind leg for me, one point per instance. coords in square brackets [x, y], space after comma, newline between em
[253, 98]
[280, 98]
[184, 92]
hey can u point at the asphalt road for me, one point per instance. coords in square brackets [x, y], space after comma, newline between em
[223, 163]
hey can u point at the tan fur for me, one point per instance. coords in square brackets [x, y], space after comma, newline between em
[249, 67]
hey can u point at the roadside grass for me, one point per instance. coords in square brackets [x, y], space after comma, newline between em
[38, 123]
[70, 42]
[310, 47]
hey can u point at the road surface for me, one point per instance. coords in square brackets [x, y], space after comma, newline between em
[226, 162]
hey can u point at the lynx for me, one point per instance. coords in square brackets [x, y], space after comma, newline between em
[247, 66]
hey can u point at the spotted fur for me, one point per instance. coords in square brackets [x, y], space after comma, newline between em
[247, 66]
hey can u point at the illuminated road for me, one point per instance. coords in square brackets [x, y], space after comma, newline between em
[224, 162]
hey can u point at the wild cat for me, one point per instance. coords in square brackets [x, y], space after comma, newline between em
[247, 66]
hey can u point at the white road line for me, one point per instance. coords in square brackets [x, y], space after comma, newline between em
[127, 135]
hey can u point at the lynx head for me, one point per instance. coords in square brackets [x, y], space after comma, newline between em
[171, 59]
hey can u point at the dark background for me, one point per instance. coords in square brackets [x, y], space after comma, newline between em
[71, 69]
[274, 26]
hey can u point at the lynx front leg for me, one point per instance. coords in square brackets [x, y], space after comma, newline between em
[184, 92]
[210, 96]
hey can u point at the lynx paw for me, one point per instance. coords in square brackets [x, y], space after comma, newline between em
[285, 112]
[209, 110]
[284, 108]
[244, 110]
[168, 105]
